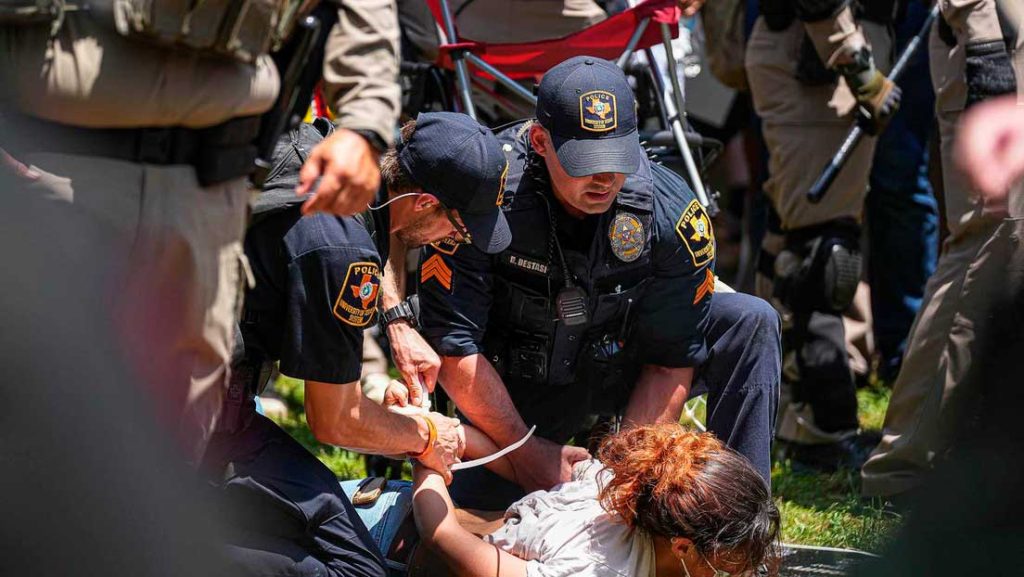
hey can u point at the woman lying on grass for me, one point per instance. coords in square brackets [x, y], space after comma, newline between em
[660, 501]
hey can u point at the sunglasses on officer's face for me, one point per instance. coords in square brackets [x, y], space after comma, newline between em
[461, 235]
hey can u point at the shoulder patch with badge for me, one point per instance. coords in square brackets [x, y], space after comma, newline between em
[356, 304]
[598, 112]
[694, 229]
[436, 269]
[626, 234]
[446, 245]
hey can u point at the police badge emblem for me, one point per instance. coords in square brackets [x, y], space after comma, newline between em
[501, 187]
[598, 112]
[694, 229]
[356, 304]
[626, 234]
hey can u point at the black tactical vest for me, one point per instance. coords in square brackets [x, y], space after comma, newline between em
[525, 340]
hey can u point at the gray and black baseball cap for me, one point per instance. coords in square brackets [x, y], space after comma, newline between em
[588, 107]
[453, 157]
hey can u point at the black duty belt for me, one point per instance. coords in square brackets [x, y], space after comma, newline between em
[218, 153]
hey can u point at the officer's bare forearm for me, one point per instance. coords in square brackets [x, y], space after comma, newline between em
[659, 395]
[480, 394]
[341, 415]
[393, 283]
[479, 445]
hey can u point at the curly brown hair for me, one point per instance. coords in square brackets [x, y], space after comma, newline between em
[395, 178]
[672, 482]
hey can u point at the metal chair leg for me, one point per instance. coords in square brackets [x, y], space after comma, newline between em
[674, 110]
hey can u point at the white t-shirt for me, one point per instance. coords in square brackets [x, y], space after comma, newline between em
[565, 531]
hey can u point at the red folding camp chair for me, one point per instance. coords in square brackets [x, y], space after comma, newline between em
[615, 38]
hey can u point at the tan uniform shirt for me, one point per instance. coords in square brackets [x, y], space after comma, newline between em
[88, 75]
[361, 67]
[973, 21]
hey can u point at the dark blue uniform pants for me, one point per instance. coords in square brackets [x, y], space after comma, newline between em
[740, 376]
[902, 213]
[286, 512]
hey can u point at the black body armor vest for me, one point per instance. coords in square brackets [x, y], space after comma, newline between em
[525, 340]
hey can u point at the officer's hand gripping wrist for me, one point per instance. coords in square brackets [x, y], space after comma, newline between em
[431, 439]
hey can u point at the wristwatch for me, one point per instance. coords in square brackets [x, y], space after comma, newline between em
[401, 311]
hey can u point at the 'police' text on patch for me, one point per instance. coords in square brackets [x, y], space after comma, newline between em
[598, 112]
[694, 229]
[356, 304]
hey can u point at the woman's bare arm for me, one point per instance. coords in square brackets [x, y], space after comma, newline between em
[464, 552]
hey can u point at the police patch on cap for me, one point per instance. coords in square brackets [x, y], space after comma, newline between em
[694, 229]
[501, 187]
[357, 301]
[627, 237]
[598, 112]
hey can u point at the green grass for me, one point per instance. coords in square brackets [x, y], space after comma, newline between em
[817, 509]
[827, 510]
[820, 509]
[345, 464]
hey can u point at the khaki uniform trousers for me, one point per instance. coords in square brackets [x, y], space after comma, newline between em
[177, 302]
[804, 126]
[971, 271]
[524, 20]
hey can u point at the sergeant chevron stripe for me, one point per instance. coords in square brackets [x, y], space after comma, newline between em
[706, 288]
[435, 268]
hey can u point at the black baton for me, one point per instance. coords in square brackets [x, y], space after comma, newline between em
[831, 171]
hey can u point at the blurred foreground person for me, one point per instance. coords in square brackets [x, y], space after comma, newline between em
[93, 484]
[143, 116]
[990, 150]
[972, 50]
[147, 132]
[969, 514]
[359, 85]
[814, 65]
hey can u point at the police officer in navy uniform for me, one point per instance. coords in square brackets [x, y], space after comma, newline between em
[318, 281]
[602, 304]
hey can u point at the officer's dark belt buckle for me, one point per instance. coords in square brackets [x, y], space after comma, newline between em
[572, 306]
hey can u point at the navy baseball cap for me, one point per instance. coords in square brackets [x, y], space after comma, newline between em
[453, 157]
[588, 107]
